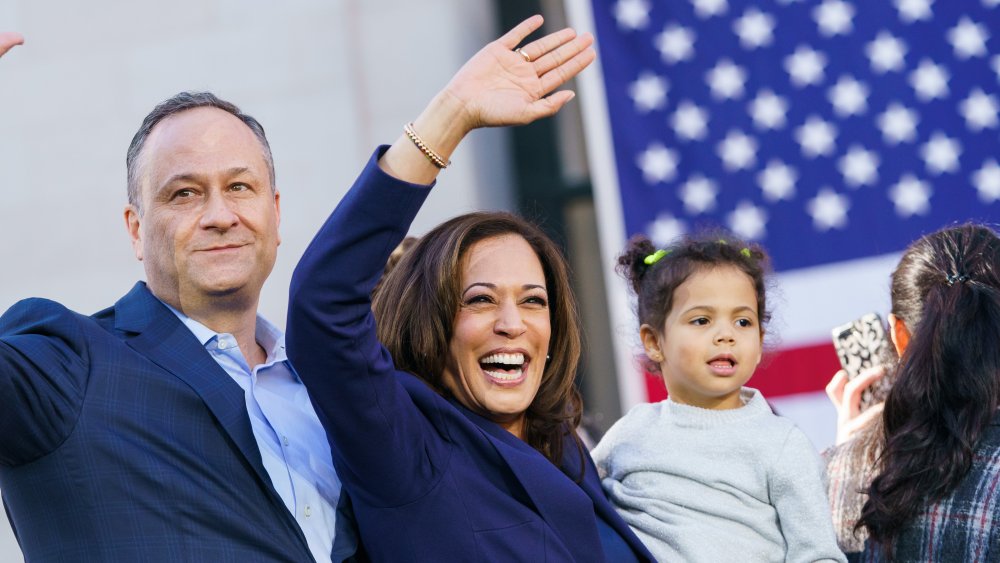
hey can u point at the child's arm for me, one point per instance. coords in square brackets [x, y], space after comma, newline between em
[798, 496]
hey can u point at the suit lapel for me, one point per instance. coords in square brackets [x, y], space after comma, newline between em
[161, 337]
[556, 497]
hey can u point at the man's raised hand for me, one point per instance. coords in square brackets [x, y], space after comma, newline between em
[8, 39]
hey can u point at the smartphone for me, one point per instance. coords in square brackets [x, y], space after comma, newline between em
[862, 344]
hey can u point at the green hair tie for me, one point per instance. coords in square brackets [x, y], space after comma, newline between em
[745, 252]
[655, 257]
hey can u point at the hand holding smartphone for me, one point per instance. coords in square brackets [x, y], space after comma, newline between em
[862, 344]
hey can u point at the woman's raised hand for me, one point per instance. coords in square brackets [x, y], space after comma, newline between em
[503, 86]
[499, 85]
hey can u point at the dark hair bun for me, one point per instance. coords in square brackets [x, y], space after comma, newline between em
[632, 262]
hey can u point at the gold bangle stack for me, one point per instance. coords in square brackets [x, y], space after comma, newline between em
[432, 156]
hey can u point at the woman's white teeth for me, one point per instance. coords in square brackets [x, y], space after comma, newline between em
[505, 359]
[512, 376]
[510, 364]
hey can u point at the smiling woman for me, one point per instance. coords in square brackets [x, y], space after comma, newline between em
[449, 400]
[498, 327]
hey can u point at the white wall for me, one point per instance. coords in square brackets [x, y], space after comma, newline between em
[328, 79]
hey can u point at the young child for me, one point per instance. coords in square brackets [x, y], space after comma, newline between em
[711, 474]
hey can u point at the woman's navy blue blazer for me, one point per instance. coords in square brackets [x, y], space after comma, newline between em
[429, 479]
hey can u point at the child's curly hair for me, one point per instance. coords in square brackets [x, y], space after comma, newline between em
[654, 274]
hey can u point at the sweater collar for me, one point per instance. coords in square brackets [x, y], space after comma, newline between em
[687, 415]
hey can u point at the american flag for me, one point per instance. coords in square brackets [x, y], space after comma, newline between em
[833, 132]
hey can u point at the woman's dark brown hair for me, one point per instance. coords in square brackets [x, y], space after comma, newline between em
[416, 303]
[946, 289]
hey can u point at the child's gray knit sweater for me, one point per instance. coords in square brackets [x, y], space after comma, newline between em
[728, 485]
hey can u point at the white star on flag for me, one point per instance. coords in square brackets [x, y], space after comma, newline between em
[675, 43]
[816, 137]
[754, 28]
[689, 121]
[768, 110]
[968, 39]
[708, 8]
[632, 14]
[777, 181]
[987, 181]
[911, 196]
[898, 124]
[747, 221]
[658, 163]
[929, 81]
[828, 210]
[914, 10]
[979, 110]
[805, 66]
[886, 53]
[649, 92]
[726, 80]
[940, 154]
[848, 97]
[834, 17]
[698, 194]
[737, 151]
[666, 229]
[859, 167]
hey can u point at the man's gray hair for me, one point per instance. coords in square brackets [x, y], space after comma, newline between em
[176, 104]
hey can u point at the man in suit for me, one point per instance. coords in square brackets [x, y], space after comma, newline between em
[170, 426]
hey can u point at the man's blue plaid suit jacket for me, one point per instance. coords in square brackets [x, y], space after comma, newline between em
[121, 439]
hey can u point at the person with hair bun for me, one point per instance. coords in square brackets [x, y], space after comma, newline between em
[711, 474]
[936, 491]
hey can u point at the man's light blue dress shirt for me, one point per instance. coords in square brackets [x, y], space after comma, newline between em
[292, 443]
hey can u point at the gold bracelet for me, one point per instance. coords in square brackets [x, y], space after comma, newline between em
[432, 156]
